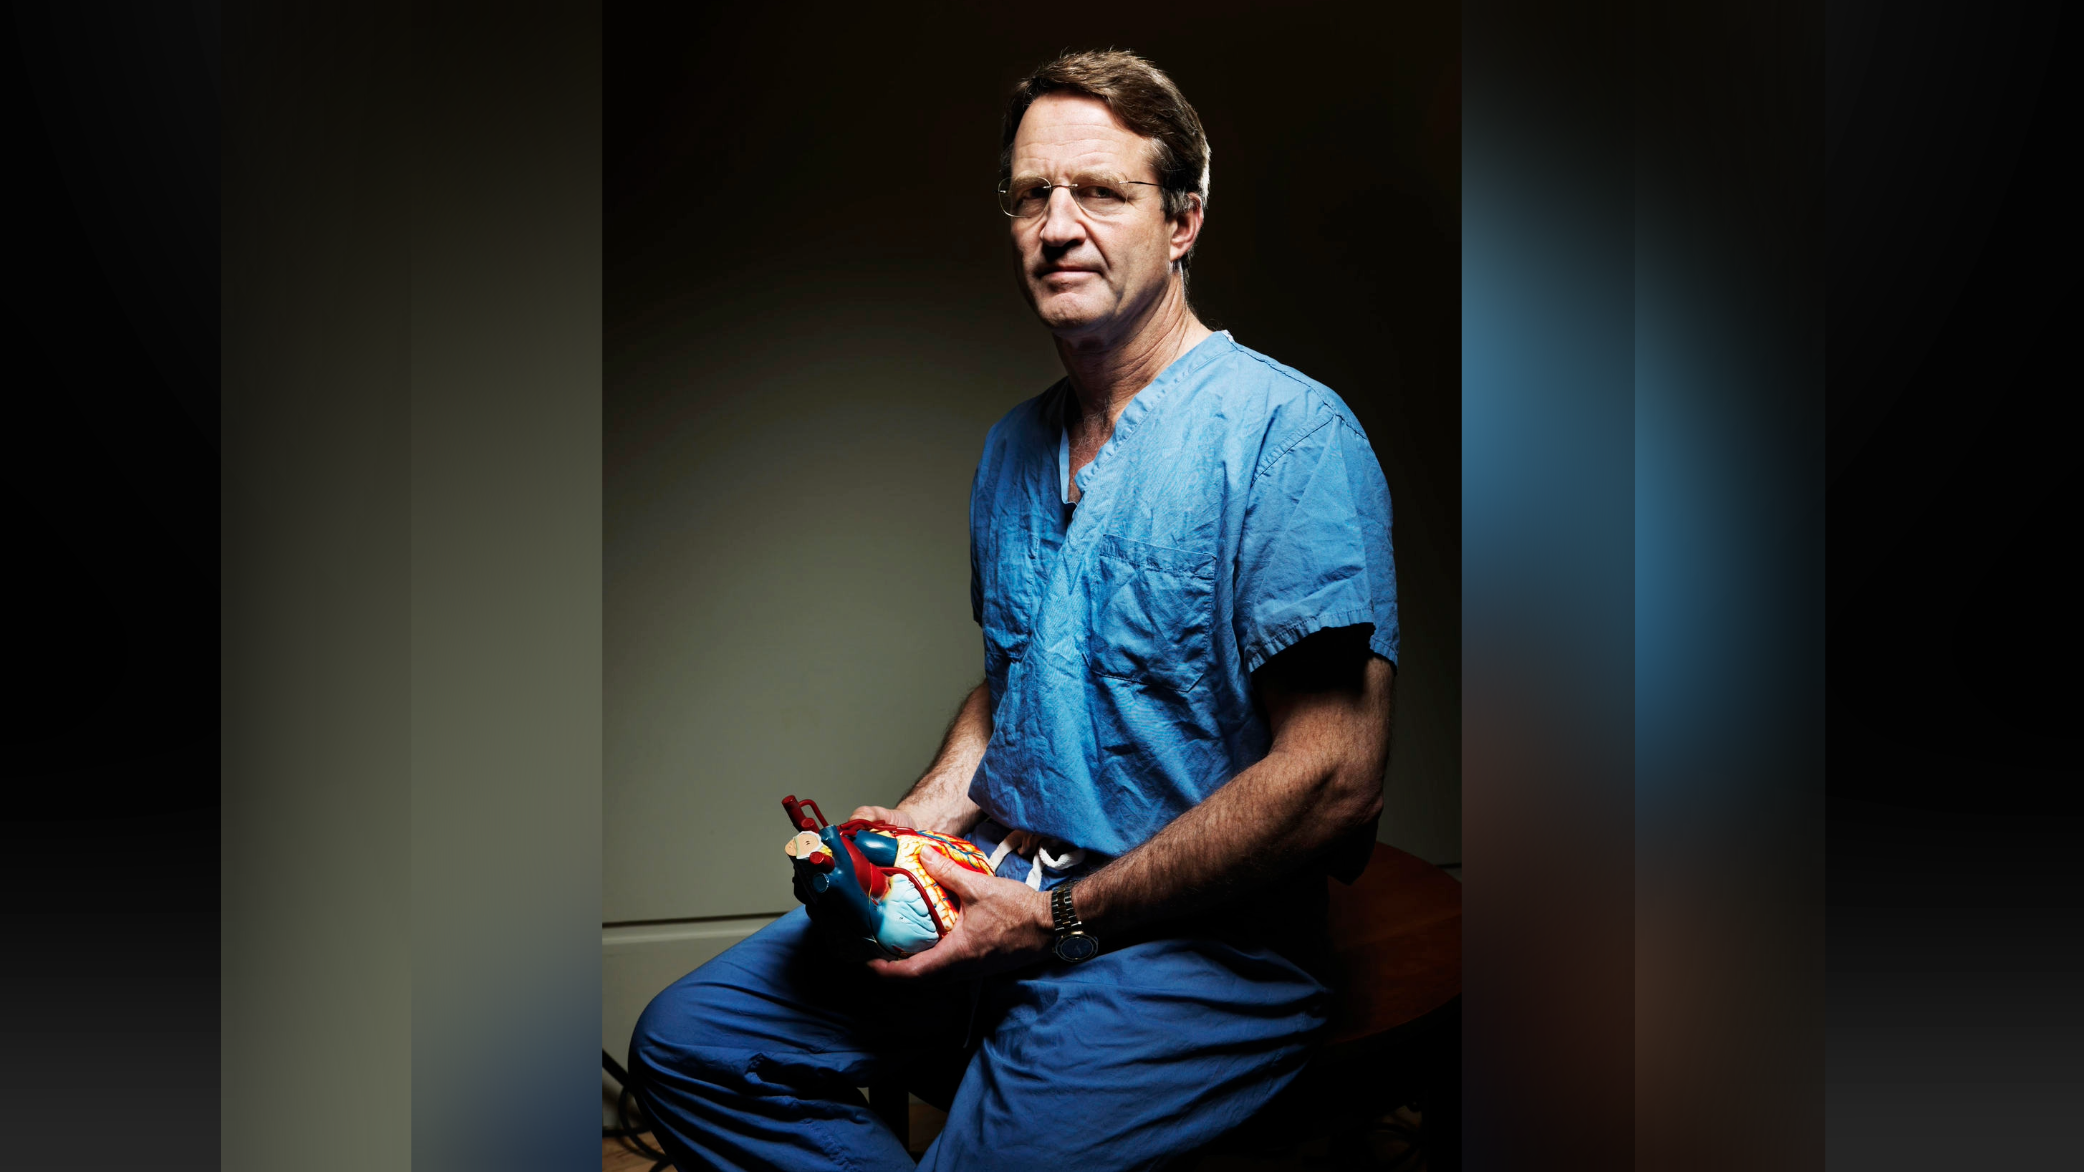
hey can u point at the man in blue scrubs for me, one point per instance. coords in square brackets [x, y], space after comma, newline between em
[1180, 558]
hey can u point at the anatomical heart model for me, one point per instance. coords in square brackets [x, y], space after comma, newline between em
[864, 881]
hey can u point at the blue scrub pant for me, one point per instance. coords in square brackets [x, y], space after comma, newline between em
[1139, 1055]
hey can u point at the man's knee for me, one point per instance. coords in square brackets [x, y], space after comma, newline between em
[660, 1028]
[740, 1000]
[689, 1016]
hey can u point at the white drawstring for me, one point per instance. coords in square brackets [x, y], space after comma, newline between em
[1070, 858]
[1043, 858]
[999, 853]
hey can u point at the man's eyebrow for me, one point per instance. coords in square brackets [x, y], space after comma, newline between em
[1102, 178]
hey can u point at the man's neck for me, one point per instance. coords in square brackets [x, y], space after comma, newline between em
[1106, 373]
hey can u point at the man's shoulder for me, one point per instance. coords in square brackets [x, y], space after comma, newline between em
[1281, 399]
[1022, 435]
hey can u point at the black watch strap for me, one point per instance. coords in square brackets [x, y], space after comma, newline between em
[1073, 942]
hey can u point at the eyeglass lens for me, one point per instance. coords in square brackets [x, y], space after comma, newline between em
[1028, 199]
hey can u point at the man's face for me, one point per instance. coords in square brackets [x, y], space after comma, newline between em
[1087, 274]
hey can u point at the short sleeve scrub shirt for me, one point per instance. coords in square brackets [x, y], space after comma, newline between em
[1237, 509]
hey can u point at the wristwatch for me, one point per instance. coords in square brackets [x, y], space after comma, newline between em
[1073, 943]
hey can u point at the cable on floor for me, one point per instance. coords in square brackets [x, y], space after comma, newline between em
[626, 1108]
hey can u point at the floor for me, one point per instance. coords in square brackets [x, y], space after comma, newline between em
[618, 1156]
[1388, 1149]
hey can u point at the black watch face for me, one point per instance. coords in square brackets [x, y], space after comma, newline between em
[1076, 947]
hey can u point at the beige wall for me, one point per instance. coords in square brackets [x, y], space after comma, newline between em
[788, 590]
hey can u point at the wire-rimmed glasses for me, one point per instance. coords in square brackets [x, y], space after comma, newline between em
[1025, 199]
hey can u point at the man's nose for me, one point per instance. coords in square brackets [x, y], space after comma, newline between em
[1061, 226]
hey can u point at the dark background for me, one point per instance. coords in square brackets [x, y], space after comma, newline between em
[112, 339]
[1956, 832]
[108, 760]
[1954, 471]
[843, 151]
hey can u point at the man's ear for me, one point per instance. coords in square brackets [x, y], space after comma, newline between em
[1186, 227]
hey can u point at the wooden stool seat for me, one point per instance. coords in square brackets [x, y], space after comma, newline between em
[1397, 936]
[1395, 1035]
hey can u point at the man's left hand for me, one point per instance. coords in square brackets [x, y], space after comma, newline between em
[1004, 925]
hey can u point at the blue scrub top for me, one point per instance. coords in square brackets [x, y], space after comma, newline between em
[1236, 509]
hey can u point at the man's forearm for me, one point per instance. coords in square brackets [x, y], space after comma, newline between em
[940, 800]
[1322, 781]
[1261, 825]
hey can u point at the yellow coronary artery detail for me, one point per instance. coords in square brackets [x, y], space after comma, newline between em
[957, 851]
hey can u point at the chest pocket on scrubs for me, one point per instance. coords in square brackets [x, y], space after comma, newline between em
[1150, 612]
